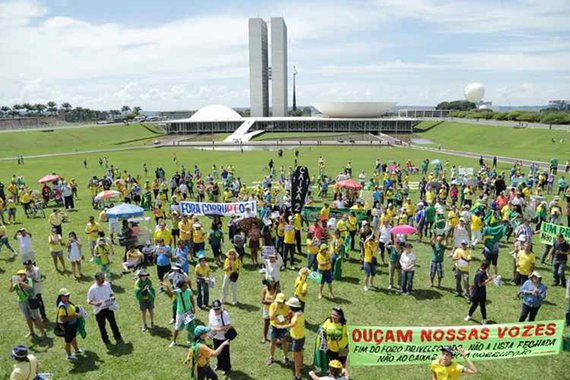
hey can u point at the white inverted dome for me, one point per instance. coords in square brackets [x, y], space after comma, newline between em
[216, 112]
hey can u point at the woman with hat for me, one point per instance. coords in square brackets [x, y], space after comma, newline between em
[297, 326]
[324, 261]
[26, 367]
[219, 323]
[24, 289]
[68, 317]
[336, 372]
[533, 293]
[268, 295]
[202, 270]
[445, 368]
[232, 266]
[199, 354]
[145, 294]
[278, 316]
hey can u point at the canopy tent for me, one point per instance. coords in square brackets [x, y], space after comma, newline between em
[124, 210]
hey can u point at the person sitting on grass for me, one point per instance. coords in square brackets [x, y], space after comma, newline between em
[134, 259]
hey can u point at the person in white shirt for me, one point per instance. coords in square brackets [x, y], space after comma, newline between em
[26, 249]
[100, 296]
[219, 322]
[34, 274]
[460, 233]
[273, 265]
[408, 264]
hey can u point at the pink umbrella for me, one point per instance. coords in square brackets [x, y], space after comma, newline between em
[107, 194]
[349, 184]
[404, 229]
[49, 178]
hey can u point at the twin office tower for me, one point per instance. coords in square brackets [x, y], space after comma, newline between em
[259, 71]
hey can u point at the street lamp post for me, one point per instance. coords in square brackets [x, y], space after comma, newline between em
[294, 89]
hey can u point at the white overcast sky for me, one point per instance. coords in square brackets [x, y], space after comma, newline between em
[183, 54]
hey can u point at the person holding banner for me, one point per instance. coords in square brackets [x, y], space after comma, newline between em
[445, 368]
[533, 293]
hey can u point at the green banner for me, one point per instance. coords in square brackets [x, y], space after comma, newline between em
[312, 213]
[377, 346]
[549, 231]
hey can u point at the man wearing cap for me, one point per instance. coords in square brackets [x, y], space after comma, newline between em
[198, 237]
[278, 316]
[219, 322]
[34, 274]
[26, 366]
[145, 294]
[24, 289]
[445, 368]
[461, 258]
[533, 293]
[101, 297]
[297, 326]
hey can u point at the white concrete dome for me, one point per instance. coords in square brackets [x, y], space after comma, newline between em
[216, 112]
[354, 109]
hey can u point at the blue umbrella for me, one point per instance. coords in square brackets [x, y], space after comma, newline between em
[124, 210]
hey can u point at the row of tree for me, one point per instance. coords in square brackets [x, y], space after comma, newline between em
[67, 112]
[547, 116]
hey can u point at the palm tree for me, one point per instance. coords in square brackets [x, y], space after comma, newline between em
[137, 110]
[66, 107]
[40, 108]
[125, 109]
[5, 111]
[52, 108]
[28, 108]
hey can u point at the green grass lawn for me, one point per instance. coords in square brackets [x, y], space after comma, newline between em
[65, 140]
[527, 144]
[147, 356]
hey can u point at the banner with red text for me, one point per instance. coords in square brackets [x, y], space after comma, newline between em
[375, 346]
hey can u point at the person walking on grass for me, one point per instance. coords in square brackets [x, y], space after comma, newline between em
[101, 297]
[445, 368]
[461, 258]
[297, 326]
[145, 294]
[185, 311]
[436, 266]
[68, 316]
[479, 292]
[533, 293]
[324, 262]
[74, 254]
[278, 316]
[24, 289]
[370, 261]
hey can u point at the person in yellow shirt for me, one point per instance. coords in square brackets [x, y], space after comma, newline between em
[445, 368]
[352, 226]
[335, 329]
[289, 243]
[325, 213]
[298, 224]
[185, 233]
[301, 287]
[198, 237]
[342, 225]
[461, 258]
[26, 200]
[56, 220]
[476, 228]
[199, 354]
[232, 267]
[525, 262]
[297, 326]
[278, 318]
[91, 230]
[324, 262]
[370, 261]
[56, 245]
[11, 207]
[202, 270]
[162, 232]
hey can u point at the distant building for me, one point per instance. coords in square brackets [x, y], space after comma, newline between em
[258, 68]
[561, 105]
[279, 83]
[170, 115]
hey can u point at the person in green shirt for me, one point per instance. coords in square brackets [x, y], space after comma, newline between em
[145, 294]
[185, 310]
[29, 306]
[437, 260]
[216, 240]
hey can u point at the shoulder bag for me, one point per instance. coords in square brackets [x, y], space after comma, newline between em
[59, 329]
[231, 333]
